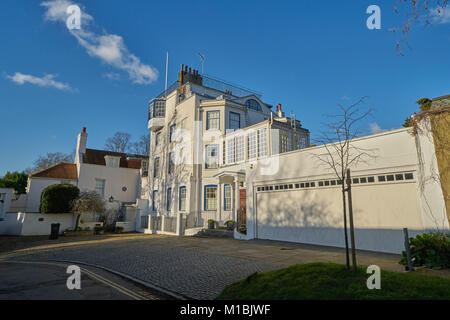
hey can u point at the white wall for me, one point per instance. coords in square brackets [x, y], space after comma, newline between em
[115, 180]
[35, 188]
[34, 224]
[6, 200]
[314, 215]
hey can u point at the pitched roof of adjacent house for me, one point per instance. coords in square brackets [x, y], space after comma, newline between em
[94, 156]
[59, 171]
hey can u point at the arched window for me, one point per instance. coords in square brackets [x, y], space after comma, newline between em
[253, 104]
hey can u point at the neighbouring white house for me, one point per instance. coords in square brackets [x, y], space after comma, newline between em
[219, 152]
[115, 176]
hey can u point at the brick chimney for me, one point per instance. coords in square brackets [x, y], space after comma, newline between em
[81, 145]
[280, 114]
[188, 74]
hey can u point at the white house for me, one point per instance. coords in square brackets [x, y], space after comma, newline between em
[219, 152]
[114, 175]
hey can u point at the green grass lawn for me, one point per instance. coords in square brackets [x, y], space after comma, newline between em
[329, 281]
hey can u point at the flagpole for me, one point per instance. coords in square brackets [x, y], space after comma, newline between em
[167, 69]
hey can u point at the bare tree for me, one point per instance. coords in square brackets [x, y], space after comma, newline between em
[119, 142]
[423, 12]
[87, 202]
[340, 153]
[50, 159]
[141, 147]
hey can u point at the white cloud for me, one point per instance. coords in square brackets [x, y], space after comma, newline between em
[109, 48]
[45, 81]
[375, 128]
[441, 17]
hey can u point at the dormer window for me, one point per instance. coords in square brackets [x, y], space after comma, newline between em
[112, 161]
[253, 104]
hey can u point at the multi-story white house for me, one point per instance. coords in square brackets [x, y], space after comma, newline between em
[203, 131]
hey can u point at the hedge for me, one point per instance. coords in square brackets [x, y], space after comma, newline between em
[57, 198]
[431, 250]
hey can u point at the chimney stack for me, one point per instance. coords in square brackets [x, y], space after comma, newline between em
[81, 145]
[280, 114]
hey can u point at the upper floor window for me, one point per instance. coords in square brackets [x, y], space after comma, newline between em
[212, 120]
[144, 165]
[112, 161]
[262, 142]
[284, 143]
[240, 147]
[252, 145]
[235, 121]
[154, 198]
[172, 133]
[212, 156]
[100, 187]
[230, 151]
[157, 109]
[171, 162]
[253, 104]
[156, 168]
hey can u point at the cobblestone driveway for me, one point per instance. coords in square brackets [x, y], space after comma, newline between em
[191, 273]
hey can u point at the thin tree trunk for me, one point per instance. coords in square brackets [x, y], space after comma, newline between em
[347, 258]
[77, 223]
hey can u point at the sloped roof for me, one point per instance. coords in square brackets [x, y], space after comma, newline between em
[94, 156]
[59, 171]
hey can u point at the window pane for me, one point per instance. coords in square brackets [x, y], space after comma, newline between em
[227, 196]
[240, 147]
[100, 187]
[230, 151]
[182, 198]
[252, 145]
[212, 120]
[154, 199]
[212, 156]
[262, 142]
[409, 176]
[210, 198]
[235, 120]
[381, 178]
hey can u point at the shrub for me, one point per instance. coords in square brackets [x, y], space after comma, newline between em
[429, 249]
[57, 198]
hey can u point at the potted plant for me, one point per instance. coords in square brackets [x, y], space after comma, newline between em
[211, 224]
[98, 230]
[230, 225]
[119, 229]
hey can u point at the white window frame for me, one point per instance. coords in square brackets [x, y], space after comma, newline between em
[231, 152]
[240, 148]
[103, 181]
[252, 145]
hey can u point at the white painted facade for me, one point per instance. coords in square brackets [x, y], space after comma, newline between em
[381, 209]
[6, 195]
[203, 118]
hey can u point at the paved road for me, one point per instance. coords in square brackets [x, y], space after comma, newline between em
[188, 273]
[192, 267]
[47, 281]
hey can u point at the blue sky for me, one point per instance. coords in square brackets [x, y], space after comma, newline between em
[307, 55]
